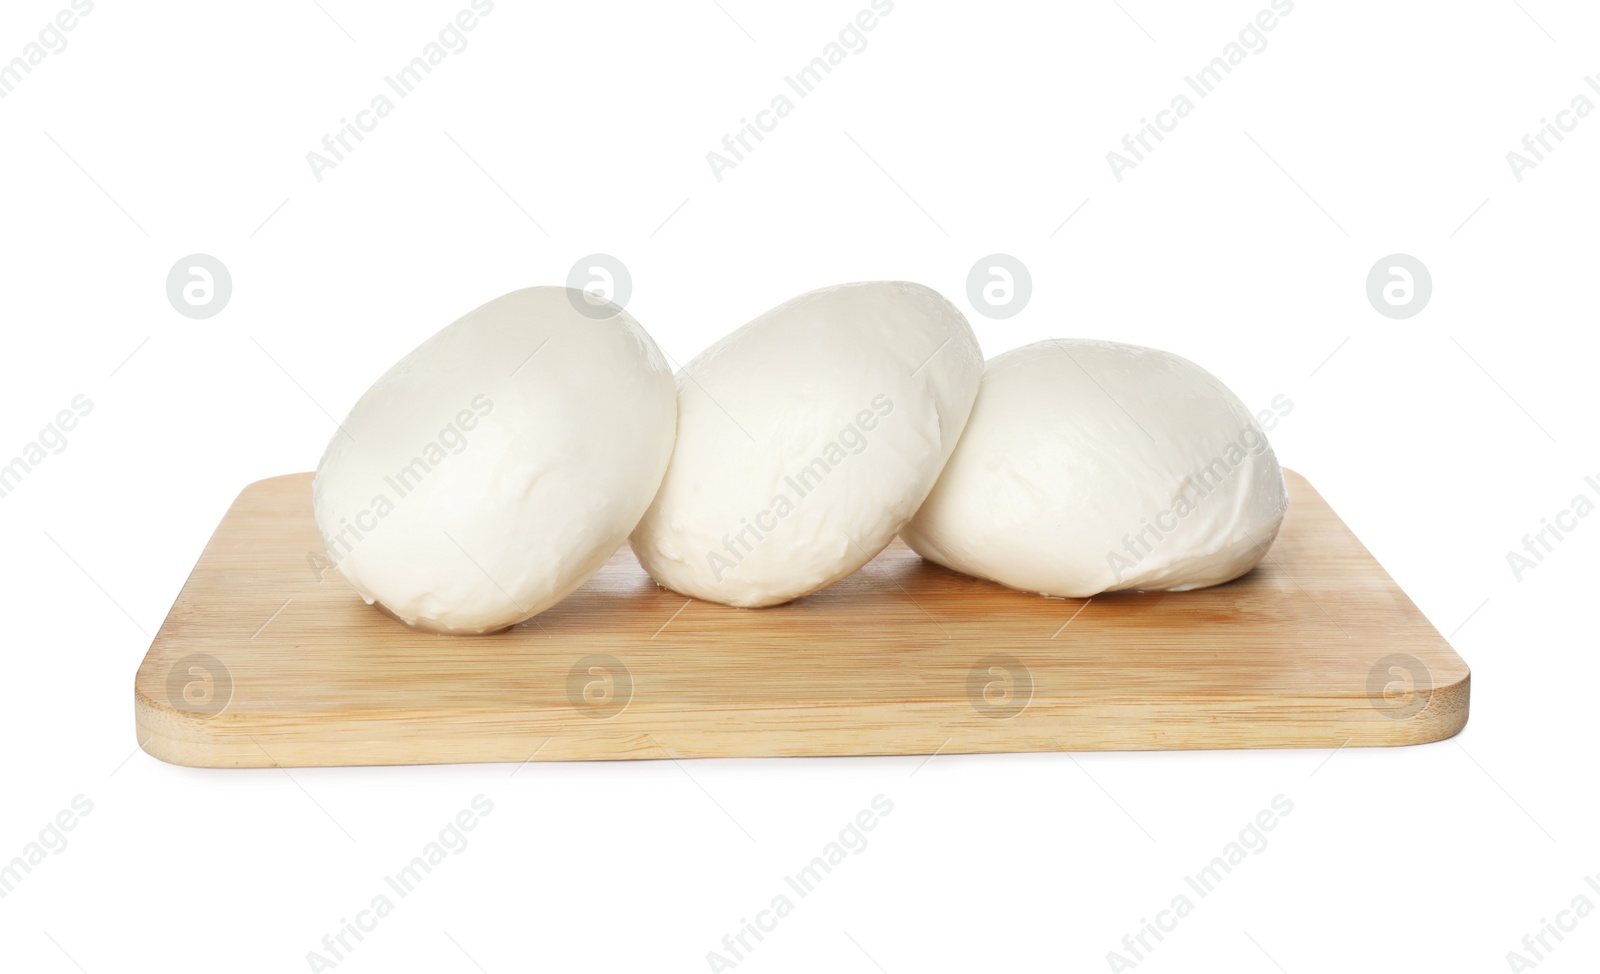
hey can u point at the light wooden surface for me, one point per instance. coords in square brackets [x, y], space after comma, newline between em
[1316, 648]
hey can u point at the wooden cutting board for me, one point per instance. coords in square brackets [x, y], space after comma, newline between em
[269, 658]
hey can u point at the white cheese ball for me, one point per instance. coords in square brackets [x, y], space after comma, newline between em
[495, 468]
[1091, 467]
[807, 439]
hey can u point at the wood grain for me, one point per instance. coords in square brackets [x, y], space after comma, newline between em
[269, 659]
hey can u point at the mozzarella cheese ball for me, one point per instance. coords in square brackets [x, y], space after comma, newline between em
[806, 440]
[1091, 467]
[495, 468]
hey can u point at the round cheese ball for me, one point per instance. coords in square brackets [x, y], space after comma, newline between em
[496, 467]
[806, 440]
[1091, 467]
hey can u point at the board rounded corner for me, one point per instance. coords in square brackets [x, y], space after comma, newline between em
[1446, 712]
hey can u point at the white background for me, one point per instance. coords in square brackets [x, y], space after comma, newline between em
[1243, 242]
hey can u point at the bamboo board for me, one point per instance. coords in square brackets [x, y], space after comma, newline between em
[269, 658]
